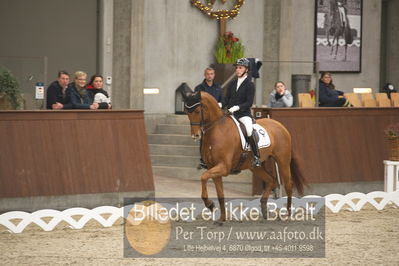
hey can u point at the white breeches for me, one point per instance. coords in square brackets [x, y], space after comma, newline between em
[247, 121]
[101, 98]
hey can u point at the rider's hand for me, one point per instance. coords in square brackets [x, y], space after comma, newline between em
[233, 109]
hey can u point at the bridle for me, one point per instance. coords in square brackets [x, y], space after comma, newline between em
[203, 126]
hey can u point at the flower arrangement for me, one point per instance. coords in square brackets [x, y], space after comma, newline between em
[228, 49]
[392, 131]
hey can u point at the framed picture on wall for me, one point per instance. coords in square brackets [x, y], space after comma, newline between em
[338, 35]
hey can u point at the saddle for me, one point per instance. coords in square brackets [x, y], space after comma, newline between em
[244, 130]
[244, 155]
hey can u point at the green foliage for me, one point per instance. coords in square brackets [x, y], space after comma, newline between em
[228, 49]
[10, 88]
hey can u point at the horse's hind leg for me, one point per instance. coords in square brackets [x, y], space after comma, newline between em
[285, 175]
[270, 184]
[328, 36]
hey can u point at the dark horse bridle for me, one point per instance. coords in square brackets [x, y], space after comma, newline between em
[203, 126]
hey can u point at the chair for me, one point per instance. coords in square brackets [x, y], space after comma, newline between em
[369, 103]
[395, 99]
[304, 100]
[365, 96]
[381, 95]
[384, 102]
[353, 98]
[395, 102]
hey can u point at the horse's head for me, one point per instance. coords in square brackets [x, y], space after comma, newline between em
[200, 108]
[192, 106]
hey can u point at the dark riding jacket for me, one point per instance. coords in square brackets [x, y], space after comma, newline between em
[243, 97]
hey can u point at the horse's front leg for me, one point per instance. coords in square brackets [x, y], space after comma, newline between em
[336, 49]
[328, 35]
[215, 173]
[219, 189]
[332, 46]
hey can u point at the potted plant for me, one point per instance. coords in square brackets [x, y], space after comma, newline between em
[392, 136]
[228, 49]
[10, 96]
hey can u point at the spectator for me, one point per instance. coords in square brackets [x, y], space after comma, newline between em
[328, 95]
[210, 86]
[56, 92]
[96, 92]
[78, 93]
[280, 96]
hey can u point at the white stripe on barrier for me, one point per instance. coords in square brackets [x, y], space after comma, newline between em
[116, 213]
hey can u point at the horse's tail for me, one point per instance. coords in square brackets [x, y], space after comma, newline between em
[297, 174]
[348, 34]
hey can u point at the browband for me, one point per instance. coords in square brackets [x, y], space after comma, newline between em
[189, 107]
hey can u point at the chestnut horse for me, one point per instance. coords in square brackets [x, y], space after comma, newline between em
[221, 150]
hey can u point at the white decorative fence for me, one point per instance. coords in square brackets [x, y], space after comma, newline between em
[334, 202]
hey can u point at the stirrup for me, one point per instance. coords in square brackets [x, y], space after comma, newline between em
[256, 162]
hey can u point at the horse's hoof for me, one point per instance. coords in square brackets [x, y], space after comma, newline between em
[211, 207]
[264, 214]
[218, 222]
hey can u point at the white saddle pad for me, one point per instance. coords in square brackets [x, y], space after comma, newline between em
[264, 139]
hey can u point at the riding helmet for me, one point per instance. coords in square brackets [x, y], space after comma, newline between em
[242, 62]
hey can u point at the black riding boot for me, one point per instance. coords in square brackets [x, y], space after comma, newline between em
[254, 147]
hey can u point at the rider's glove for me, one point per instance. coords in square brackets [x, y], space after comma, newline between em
[233, 109]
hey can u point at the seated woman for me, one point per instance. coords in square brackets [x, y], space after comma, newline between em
[280, 96]
[328, 95]
[96, 92]
[78, 94]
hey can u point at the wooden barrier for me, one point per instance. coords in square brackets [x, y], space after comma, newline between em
[45, 153]
[336, 144]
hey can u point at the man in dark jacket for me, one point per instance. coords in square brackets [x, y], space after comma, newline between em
[239, 99]
[56, 92]
[210, 86]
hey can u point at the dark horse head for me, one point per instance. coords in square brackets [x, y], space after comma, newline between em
[192, 100]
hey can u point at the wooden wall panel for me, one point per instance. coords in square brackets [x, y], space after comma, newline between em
[73, 152]
[337, 144]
